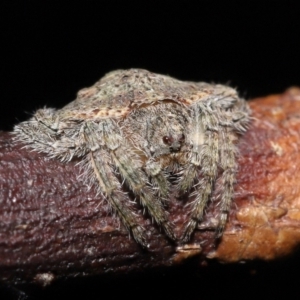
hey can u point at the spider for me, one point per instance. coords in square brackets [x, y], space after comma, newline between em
[139, 128]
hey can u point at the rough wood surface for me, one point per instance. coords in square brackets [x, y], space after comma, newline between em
[52, 227]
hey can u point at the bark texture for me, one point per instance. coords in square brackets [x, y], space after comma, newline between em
[52, 226]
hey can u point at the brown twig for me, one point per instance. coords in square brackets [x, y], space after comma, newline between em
[51, 226]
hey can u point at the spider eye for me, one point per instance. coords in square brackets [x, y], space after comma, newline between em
[182, 138]
[167, 140]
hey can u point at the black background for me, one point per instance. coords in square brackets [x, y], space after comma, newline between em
[51, 49]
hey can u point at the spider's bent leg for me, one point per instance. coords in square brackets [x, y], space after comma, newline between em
[231, 124]
[42, 133]
[159, 179]
[228, 151]
[38, 134]
[99, 165]
[130, 167]
[107, 136]
[203, 161]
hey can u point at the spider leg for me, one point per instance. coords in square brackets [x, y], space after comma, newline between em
[231, 124]
[202, 162]
[217, 123]
[108, 138]
[228, 164]
[41, 134]
[38, 135]
[111, 189]
[137, 180]
[159, 179]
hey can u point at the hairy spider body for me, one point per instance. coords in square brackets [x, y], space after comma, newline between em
[145, 127]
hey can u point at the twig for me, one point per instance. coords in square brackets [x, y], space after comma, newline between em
[51, 226]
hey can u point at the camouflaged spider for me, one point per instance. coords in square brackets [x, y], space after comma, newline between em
[145, 127]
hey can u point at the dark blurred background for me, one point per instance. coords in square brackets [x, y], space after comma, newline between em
[51, 49]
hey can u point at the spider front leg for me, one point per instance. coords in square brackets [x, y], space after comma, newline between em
[228, 164]
[202, 162]
[112, 190]
[159, 179]
[214, 130]
[233, 123]
[109, 146]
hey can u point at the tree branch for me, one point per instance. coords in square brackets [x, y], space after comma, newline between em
[51, 226]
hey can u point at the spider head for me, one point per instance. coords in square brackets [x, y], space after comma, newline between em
[166, 140]
[166, 129]
[158, 130]
[174, 142]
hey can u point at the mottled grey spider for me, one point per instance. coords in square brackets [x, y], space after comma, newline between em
[139, 127]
